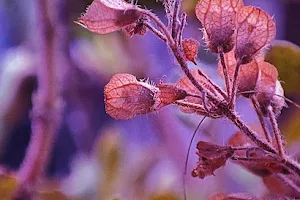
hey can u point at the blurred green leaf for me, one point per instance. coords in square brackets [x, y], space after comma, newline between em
[291, 128]
[286, 57]
[8, 185]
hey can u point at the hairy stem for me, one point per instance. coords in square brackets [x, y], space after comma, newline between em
[234, 85]
[181, 28]
[155, 31]
[261, 118]
[45, 112]
[227, 82]
[216, 87]
[249, 132]
[276, 131]
[175, 18]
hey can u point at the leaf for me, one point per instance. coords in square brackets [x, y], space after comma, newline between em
[218, 19]
[255, 30]
[106, 16]
[8, 185]
[190, 48]
[211, 157]
[248, 75]
[234, 196]
[125, 97]
[286, 57]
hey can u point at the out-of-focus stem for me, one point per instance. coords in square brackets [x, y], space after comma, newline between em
[45, 112]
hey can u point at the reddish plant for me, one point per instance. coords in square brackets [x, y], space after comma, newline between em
[238, 34]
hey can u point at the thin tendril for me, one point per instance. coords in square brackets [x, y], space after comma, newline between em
[285, 98]
[187, 156]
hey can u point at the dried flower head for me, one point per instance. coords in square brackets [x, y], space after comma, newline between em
[266, 85]
[126, 97]
[168, 94]
[106, 16]
[218, 19]
[278, 101]
[190, 48]
[211, 157]
[255, 30]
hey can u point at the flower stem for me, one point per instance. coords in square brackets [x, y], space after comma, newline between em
[261, 118]
[276, 131]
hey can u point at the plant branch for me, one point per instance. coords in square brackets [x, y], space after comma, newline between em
[216, 87]
[261, 118]
[226, 110]
[181, 28]
[276, 131]
[227, 82]
[175, 18]
[155, 31]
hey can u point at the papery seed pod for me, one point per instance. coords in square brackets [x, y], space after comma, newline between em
[211, 158]
[126, 97]
[190, 48]
[278, 185]
[234, 196]
[137, 27]
[248, 75]
[278, 101]
[255, 30]
[167, 94]
[266, 85]
[218, 19]
[106, 16]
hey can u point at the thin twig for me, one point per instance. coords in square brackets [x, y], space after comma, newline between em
[216, 87]
[285, 98]
[234, 85]
[181, 28]
[289, 182]
[155, 31]
[276, 131]
[175, 18]
[226, 75]
[187, 157]
[261, 118]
